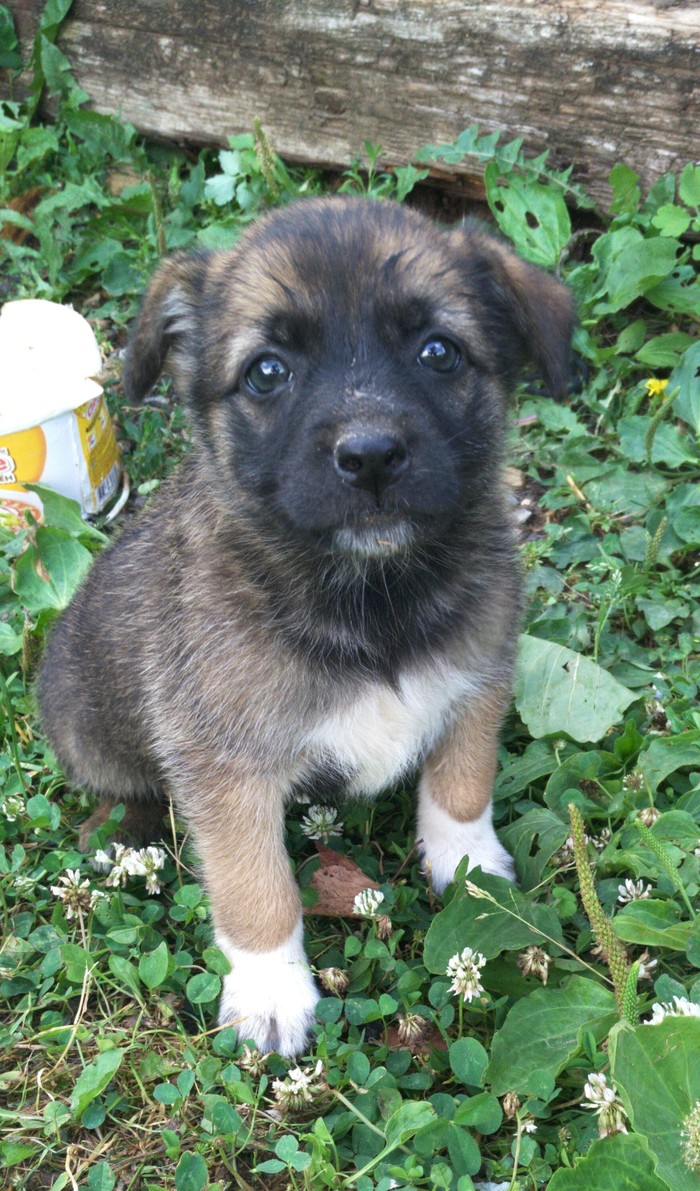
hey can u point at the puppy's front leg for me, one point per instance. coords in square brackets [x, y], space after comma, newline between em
[454, 797]
[270, 994]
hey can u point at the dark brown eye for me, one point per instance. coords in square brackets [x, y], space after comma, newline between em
[267, 375]
[440, 355]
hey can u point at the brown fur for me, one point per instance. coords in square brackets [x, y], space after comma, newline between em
[234, 627]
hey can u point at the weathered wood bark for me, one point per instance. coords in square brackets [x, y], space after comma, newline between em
[597, 81]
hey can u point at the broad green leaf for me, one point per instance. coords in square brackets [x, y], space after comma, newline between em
[668, 446]
[693, 948]
[93, 1080]
[619, 1163]
[126, 973]
[537, 760]
[625, 492]
[203, 987]
[60, 512]
[672, 220]
[657, 1073]
[407, 1120]
[678, 827]
[686, 379]
[468, 1060]
[482, 1112]
[666, 755]
[626, 193]
[534, 216]
[463, 1150]
[10, 642]
[662, 612]
[558, 691]
[514, 922]
[631, 265]
[153, 967]
[76, 961]
[663, 351]
[191, 1173]
[543, 1032]
[651, 923]
[220, 1117]
[358, 1067]
[48, 573]
[101, 1178]
[689, 185]
[14, 1152]
[216, 961]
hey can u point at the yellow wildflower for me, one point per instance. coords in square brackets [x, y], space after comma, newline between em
[655, 387]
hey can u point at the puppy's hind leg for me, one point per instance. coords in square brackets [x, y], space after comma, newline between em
[454, 796]
[270, 994]
[141, 824]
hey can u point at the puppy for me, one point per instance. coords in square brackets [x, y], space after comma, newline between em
[325, 594]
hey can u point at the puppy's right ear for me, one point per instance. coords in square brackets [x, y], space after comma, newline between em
[168, 316]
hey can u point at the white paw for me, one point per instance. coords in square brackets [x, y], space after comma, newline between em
[444, 841]
[270, 996]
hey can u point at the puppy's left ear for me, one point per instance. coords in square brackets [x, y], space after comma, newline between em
[165, 323]
[529, 313]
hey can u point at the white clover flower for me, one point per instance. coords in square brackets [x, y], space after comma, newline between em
[634, 780]
[76, 895]
[646, 966]
[152, 860]
[13, 807]
[119, 873]
[602, 840]
[368, 902]
[24, 883]
[511, 1104]
[298, 1087]
[411, 1028]
[101, 862]
[678, 1007]
[252, 1061]
[133, 862]
[648, 815]
[632, 891]
[535, 961]
[321, 822]
[605, 1102]
[529, 1125]
[464, 970]
[334, 980]
[565, 855]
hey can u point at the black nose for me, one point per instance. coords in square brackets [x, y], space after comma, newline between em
[371, 459]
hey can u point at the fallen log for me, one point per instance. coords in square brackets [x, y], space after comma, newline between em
[595, 81]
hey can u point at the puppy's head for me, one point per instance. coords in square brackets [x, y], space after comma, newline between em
[347, 367]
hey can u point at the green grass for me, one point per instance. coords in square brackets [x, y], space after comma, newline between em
[113, 1074]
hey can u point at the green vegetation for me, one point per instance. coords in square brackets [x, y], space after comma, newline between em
[113, 1073]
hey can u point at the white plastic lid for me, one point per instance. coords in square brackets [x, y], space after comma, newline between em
[49, 358]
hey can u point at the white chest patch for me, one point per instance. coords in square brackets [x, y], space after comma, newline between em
[385, 732]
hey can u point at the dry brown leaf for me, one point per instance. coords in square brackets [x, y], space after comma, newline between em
[337, 883]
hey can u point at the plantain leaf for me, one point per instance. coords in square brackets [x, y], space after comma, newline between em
[657, 1074]
[558, 691]
[619, 1163]
[543, 1032]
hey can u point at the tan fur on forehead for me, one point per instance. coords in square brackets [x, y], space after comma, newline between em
[367, 261]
